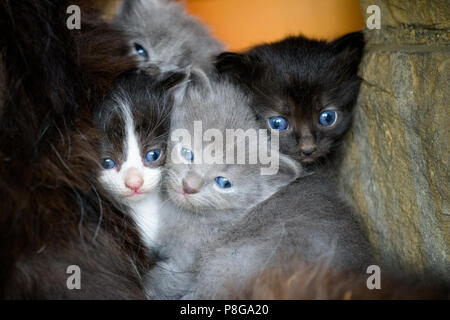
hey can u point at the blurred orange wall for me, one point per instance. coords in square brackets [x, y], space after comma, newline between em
[243, 23]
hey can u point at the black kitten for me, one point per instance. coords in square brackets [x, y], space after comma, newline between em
[304, 88]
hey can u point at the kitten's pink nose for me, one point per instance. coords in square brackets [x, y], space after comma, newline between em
[192, 183]
[133, 179]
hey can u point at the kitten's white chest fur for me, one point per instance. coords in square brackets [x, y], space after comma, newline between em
[146, 215]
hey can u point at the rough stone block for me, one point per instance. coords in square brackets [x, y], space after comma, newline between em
[397, 157]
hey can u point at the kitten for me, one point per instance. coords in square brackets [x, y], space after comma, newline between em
[53, 213]
[306, 89]
[162, 35]
[305, 221]
[205, 198]
[134, 122]
[293, 85]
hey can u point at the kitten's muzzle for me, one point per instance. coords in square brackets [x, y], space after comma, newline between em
[308, 152]
[192, 183]
[308, 145]
[133, 179]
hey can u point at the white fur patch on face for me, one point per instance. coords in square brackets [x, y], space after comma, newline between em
[133, 181]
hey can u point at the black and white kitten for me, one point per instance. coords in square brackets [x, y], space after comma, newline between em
[134, 122]
[162, 35]
[206, 198]
[305, 89]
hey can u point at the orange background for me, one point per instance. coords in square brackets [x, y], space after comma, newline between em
[243, 23]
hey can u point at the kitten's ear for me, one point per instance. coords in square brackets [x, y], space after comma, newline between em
[196, 81]
[235, 65]
[128, 8]
[135, 10]
[289, 169]
[349, 50]
[174, 83]
[230, 62]
[201, 81]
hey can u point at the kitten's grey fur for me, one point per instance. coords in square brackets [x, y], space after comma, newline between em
[188, 223]
[304, 221]
[172, 38]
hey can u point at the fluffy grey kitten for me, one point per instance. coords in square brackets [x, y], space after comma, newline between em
[304, 221]
[164, 36]
[204, 199]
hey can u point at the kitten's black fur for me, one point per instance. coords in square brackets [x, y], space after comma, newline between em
[297, 78]
[53, 213]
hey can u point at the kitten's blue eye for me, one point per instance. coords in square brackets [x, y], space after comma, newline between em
[328, 118]
[152, 155]
[140, 50]
[278, 123]
[223, 183]
[187, 154]
[108, 163]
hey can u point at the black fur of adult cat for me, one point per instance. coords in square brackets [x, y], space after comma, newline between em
[302, 281]
[53, 213]
[299, 79]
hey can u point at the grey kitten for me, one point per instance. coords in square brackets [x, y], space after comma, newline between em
[163, 35]
[204, 199]
[305, 221]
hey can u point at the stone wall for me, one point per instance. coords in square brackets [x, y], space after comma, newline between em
[396, 167]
